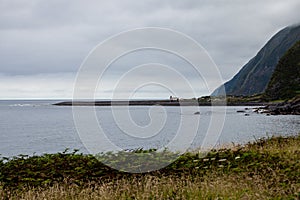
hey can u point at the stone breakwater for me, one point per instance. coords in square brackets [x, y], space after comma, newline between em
[119, 103]
[152, 103]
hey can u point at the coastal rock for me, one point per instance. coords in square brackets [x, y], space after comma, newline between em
[285, 108]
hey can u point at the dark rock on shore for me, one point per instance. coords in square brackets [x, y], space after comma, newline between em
[240, 111]
[285, 108]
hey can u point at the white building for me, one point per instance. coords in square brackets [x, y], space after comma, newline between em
[174, 98]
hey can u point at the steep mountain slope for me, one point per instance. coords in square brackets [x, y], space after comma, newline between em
[255, 75]
[285, 81]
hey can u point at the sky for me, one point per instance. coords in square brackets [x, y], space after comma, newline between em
[43, 43]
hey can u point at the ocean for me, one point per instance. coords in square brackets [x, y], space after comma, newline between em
[34, 127]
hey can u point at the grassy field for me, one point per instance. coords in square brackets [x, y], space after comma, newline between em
[266, 169]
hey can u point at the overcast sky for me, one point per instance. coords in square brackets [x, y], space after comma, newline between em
[43, 43]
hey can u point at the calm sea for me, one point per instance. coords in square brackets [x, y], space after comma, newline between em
[37, 127]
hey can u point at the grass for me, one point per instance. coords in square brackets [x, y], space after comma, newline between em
[266, 169]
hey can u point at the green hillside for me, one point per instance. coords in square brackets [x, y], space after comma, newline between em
[285, 81]
[254, 77]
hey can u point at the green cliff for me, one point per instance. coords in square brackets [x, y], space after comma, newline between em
[285, 81]
[254, 77]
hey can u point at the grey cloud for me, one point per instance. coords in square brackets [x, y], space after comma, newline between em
[55, 36]
[48, 86]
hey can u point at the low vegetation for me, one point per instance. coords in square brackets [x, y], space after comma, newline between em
[267, 168]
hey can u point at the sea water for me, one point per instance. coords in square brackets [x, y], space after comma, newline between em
[37, 127]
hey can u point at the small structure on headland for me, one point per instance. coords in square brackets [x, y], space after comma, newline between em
[174, 98]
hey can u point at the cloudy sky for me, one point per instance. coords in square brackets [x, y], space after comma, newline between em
[43, 43]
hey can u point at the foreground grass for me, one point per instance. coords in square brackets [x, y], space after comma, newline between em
[265, 169]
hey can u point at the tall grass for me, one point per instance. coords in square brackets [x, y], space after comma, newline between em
[266, 169]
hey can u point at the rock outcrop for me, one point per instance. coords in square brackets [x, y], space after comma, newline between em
[285, 108]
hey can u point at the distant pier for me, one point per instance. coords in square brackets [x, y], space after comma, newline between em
[152, 103]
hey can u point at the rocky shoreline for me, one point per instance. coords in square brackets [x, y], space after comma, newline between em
[285, 108]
